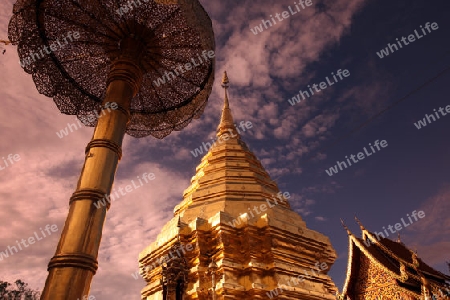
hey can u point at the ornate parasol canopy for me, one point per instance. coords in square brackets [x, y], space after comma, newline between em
[69, 47]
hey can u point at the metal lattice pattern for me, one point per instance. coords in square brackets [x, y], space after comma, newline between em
[75, 74]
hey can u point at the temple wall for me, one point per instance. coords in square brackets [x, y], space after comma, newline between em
[375, 284]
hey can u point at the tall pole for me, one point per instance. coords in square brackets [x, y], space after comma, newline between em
[75, 261]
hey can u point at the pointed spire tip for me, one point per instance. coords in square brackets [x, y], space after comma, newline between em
[225, 81]
[345, 227]
[226, 125]
[359, 223]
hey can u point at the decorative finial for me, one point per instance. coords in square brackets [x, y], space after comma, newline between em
[398, 238]
[179, 227]
[226, 125]
[225, 82]
[225, 85]
[345, 227]
[359, 223]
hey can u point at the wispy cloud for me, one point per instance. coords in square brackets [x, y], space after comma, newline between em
[430, 235]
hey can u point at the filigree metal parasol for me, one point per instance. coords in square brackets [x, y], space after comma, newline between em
[75, 75]
[152, 59]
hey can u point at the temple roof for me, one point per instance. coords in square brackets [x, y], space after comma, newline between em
[394, 258]
[228, 172]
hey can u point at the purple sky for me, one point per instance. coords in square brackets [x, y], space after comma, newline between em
[296, 144]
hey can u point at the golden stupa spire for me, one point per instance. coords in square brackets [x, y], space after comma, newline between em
[226, 125]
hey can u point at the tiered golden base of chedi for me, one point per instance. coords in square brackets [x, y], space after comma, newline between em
[256, 250]
[379, 268]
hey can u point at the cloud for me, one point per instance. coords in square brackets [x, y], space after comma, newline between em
[278, 55]
[301, 204]
[319, 125]
[430, 234]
